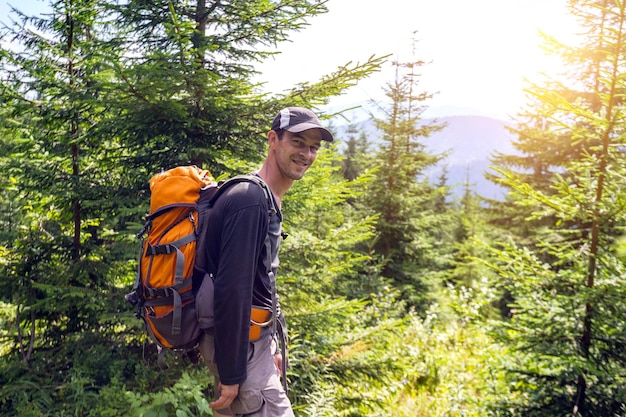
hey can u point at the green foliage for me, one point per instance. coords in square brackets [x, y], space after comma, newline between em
[464, 265]
[186, 398]
[331, 340]
[452, 364]
[323, 227]
[389, 287]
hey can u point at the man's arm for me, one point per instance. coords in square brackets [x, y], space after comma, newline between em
[243, 231]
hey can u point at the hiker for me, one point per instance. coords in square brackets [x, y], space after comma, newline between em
[247, 371]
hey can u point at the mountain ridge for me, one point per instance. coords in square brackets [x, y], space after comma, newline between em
[470, 140]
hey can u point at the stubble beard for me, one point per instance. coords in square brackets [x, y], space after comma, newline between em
[295, 174]
[295, 171]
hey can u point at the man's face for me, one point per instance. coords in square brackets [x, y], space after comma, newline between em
[296, 152]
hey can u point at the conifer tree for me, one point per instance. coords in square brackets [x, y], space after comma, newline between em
[469, 230]
[356, 153]
[51, 105]
[567, 287]
[401, 195]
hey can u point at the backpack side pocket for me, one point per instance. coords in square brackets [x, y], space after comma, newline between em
[204, 302]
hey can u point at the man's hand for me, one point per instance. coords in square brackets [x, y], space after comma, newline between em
[227, 395]
[278, 362]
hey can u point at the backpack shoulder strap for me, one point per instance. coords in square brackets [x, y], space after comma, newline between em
[224, 184]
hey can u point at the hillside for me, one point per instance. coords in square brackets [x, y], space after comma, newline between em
[470, 142]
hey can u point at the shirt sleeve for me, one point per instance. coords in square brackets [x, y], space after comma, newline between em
[243, 230]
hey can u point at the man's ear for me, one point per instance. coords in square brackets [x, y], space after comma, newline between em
[272, 137]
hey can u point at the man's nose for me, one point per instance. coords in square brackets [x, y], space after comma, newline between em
[306, 152]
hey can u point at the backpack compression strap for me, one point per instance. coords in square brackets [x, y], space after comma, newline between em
[173, 291]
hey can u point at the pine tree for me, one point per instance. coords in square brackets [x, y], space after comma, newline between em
[52, 103]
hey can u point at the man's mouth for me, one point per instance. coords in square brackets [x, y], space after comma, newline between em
[300, 163]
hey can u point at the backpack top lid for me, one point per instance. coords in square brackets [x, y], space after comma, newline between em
[178, 186]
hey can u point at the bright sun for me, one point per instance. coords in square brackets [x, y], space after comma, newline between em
[488, 64]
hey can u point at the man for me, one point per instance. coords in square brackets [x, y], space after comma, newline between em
[247, 371]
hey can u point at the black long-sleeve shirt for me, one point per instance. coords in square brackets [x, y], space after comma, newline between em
[234, 233]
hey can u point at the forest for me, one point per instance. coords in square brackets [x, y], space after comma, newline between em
[401, 299]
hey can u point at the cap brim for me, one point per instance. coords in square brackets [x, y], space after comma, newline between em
[326, 135]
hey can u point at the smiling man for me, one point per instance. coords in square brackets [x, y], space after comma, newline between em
[247, 366]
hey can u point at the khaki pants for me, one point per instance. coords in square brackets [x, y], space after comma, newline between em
[261, 394]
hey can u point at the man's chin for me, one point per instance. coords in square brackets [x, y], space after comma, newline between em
[297, 174]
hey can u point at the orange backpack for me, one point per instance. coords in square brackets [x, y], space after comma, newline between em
[163, 291]
[163, 288]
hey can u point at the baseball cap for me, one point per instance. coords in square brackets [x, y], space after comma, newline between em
[299, 119]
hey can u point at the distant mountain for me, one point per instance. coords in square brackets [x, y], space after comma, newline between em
[470, 141]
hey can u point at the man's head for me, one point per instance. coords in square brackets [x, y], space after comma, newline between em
[294, 141]
[299, 119]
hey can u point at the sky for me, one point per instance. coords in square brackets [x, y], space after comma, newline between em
[479, 52]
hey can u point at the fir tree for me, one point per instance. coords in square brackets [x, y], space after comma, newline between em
[567, 288]
[401, 195]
